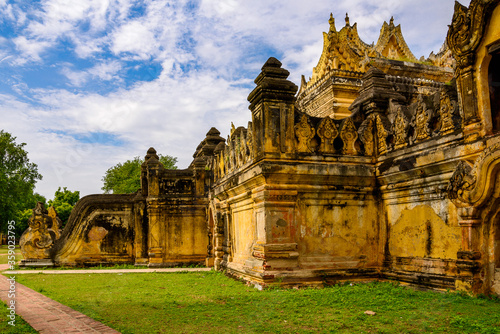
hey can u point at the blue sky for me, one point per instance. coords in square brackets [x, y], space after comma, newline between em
[90, 83]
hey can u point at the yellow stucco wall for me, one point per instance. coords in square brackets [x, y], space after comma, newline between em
[343, 233]
[420, 232]
[185, 237]
[243, 233]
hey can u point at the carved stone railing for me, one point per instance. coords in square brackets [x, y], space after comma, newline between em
[382, 121]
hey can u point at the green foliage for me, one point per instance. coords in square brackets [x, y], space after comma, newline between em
[210, 302]
[125, 178]
[17, 181]
[64, 201]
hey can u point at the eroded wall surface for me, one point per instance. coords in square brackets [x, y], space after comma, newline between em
[400, 183]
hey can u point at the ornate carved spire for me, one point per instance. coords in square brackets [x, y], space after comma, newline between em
[391, 43]
[272, 84]
[332, 23]
[151, 154]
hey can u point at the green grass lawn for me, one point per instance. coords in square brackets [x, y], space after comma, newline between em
[4, 254]
[209, 302]
[4, 249]
[20, 327]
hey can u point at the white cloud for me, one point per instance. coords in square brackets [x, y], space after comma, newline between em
[76, 78]
[56, 17]
[135, 38]
[223, 40]
[30, 49]
[171, 114]
[106, 71]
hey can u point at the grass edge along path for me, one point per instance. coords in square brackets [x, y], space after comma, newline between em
[209, 302]
[19, 325]
[42, 313]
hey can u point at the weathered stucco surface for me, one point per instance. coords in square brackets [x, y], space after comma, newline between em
[379, 167]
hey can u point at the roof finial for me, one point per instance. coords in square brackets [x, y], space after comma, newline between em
[233, 128]
[391, 22]
[332, 23]
[346, 19]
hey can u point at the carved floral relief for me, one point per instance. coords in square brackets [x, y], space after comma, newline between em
[349, 136]
[304, 133]
[327, 131]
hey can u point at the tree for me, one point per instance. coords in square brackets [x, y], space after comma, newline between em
[64, 201]
[125, 178]
[17, 179]
[23, 216]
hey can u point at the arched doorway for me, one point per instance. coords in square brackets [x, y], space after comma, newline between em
[494, 87]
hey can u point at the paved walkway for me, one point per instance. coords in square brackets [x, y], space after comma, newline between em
[46, 315]
[105, 271]
[50, 317]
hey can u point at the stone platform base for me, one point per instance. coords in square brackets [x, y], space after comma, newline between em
[37, 263]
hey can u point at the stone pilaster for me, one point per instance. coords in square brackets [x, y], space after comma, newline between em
[156, 234]
[272, 105]
[140, 235]
[275, 247]
[469, 255]
[218, 241]
[155, 225]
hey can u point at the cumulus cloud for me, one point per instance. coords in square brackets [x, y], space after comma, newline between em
[30, 49]
[174, 69]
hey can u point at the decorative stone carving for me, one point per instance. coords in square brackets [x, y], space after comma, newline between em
[249, 140]
[473, 186]
[400, 129]
[232, 154]
[420, 121]
[327, 131]
[222, 167]
[304, 133]
[464, 37]
[227, 156]
[446, 108]
[349, 136]
[382, 134]
[461, 180]
[219, 159]
[242, 147]
[391, 42]
[367, 137]
[466, 30]
[43, 231]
